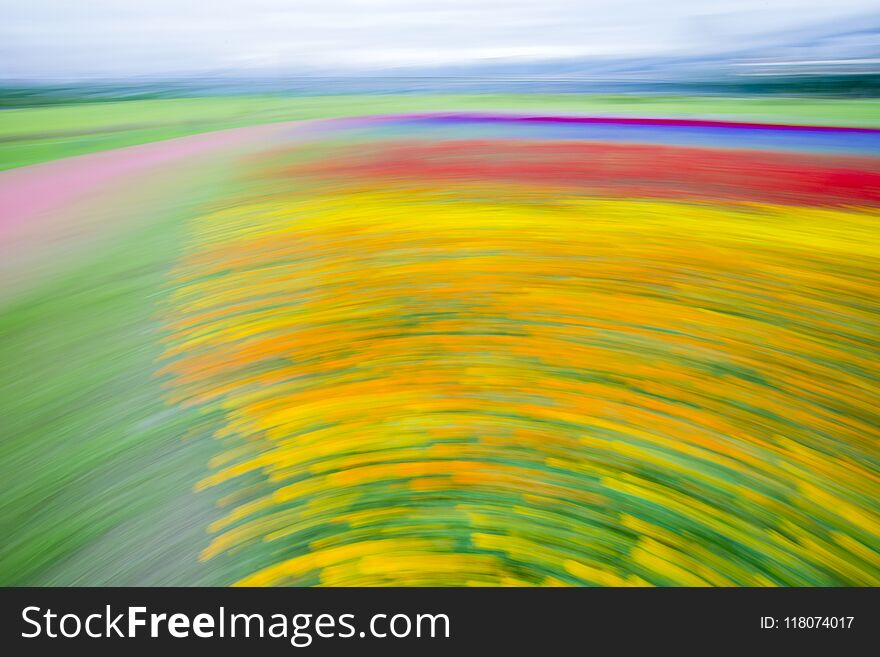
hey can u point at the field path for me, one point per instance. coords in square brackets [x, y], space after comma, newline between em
[54, 212]
[100, 476]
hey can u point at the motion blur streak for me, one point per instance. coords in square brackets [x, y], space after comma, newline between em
[541, 355]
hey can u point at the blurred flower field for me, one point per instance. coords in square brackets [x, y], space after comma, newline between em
[441, 340]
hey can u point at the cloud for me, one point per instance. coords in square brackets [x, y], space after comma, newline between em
[41, 38]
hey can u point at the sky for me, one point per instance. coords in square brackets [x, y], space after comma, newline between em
[108, 38]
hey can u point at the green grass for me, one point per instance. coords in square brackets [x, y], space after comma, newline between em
[98, 470]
